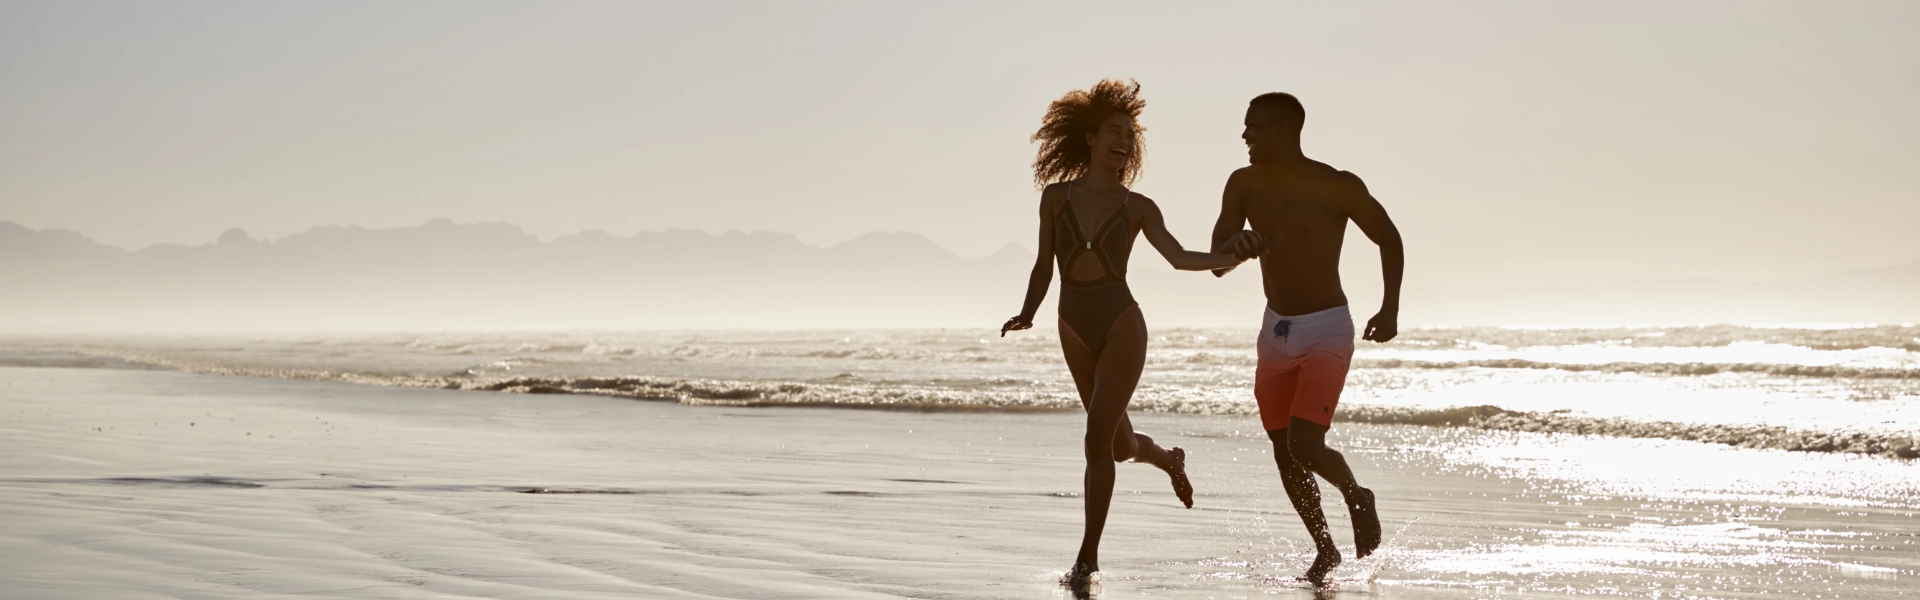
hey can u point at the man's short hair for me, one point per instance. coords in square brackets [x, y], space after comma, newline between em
[1283, 105]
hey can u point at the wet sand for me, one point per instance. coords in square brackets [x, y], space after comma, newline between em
[147, 483]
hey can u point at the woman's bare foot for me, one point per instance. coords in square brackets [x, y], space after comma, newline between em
[1322, 565]
[1181, 486]
[1366, 522]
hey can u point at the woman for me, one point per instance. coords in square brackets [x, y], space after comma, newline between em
[1090, 150]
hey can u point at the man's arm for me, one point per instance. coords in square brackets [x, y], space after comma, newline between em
[1371, 217]
[1232, 217]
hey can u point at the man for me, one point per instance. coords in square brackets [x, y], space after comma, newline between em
[1301, 207]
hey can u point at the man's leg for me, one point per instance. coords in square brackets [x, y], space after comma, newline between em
[1275, 383]
[1306, 442]
[1323, 376]
[1304, 492]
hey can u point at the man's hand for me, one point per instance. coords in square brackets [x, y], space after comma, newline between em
[1382, 327]
[1247, 244]
[1015, 324]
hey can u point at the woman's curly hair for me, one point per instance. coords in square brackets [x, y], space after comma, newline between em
[1064, 153]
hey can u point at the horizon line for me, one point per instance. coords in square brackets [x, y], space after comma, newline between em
[1899, 263]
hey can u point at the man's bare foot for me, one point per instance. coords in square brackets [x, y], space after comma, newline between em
[1181, 486]
[1080, 576]
[1322, 565]
[1366, 522]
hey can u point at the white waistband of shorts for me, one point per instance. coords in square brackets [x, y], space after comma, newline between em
[1337, 313]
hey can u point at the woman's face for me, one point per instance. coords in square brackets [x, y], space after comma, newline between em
[1112, 144]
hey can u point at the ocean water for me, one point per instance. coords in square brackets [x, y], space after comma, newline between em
[1814, 388]
[1521, 463]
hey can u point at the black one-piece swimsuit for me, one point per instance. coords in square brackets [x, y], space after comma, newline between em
[1089, 309]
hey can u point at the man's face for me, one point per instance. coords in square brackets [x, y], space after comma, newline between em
[1262, 135]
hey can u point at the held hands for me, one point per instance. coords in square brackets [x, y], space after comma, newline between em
[1016, 323]
[1247, 245]
[1382, 327]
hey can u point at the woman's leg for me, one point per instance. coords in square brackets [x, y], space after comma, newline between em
[1116, 372]
[1145, 450]
[1083, 363]
[1127, 443]
[1171, 460]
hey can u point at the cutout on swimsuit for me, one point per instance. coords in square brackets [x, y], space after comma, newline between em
[1114, 233]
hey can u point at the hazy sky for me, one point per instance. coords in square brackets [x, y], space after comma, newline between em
[1514, 142]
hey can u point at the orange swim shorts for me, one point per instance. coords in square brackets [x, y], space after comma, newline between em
[1303, 366]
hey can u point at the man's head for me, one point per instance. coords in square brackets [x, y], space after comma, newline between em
[1273, 126]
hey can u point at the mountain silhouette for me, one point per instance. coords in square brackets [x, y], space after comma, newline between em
[447, 275]
[443, 274]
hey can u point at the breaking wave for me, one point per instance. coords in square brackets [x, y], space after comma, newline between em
[1199, 359]
[853, 392]
[736, 393]
[1801, 352]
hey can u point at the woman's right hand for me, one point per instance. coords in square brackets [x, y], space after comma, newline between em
[1015, 324]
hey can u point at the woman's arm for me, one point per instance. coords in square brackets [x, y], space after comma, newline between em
[1155, 228]
[1042, 276]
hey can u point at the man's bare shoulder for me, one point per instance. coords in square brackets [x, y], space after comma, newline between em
[1349, 192]
[1349, 182]
[1255, 179]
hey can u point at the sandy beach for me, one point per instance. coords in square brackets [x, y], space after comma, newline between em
[130, 483]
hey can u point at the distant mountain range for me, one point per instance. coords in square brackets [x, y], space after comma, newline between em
[490, 275]
[446, 275]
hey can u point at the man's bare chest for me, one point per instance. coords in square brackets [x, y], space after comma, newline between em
[1296, 215]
